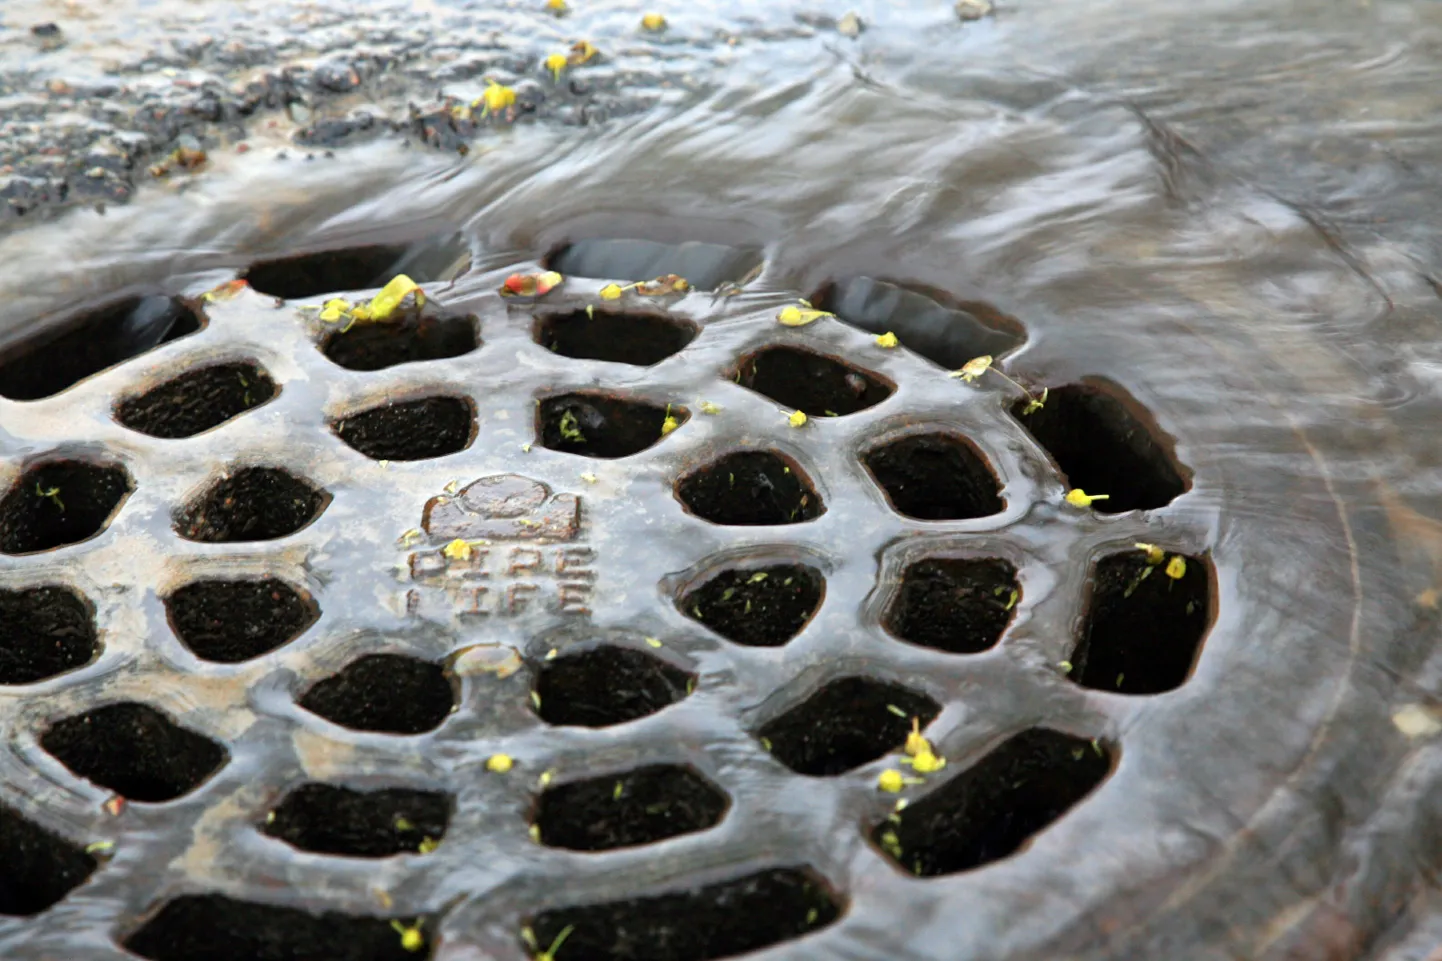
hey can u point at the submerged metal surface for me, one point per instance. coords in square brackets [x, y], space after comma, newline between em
[1233, 227]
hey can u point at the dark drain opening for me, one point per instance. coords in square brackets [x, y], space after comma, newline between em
[749, 488]
[927, 321]
[40, 868]
[846, 724]
[232, 621]
[705, 266]
[60, 503]
[935, 477]
[605, 686]
[326, 272]
[412, 430]
[387, 693]
[642, 806]
[760, 607]
[135, 751]
[442, 257]
[369, 347]
[715, 921]
[960, 606]
[197, 401]
[595, 425]
[818, 385]
[44, 631]
[252, 504]
[1144, 628]
[994, 808]
[94, 342]
[1101, 442]
[360, 824]
[218, 928]
[637, 339]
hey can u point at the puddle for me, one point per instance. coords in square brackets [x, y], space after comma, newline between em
[1207, 231]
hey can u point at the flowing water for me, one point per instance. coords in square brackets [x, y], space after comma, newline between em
[1231, 209]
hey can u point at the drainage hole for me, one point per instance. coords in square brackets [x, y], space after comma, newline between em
[1102, 441]
[44, 631]
[1144, 627]
[60, 503]
[750, 488]
[928, 322]
[135, 751]
[327, 272]
[40, 867]
[637, 339]
[818, 385]
[251, 504]
[413, 430]
[197, 401]
[705, 266]
[606, 685]
[759, 607]
[386, 693]
[639, 807]
[846, 724]
[368, 347]
[93, 342]
[935, 477]
[991, 810]
[360, 824]
[219, 928]
[232, 621]
[715, 921]
[596, 425]
[960, 606]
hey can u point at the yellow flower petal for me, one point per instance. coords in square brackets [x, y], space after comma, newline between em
[1177, 567]
[457, 550]
[973, 368]
[891, 781]
[392, 294]
[1155, 555]
[797, 418]
[497, 98]
[926, 762]
[794, 316]
[887, 340]
[1077, 497]
[611, 292]
[499, 763]
[653, 21]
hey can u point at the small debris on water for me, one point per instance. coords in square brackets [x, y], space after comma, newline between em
[1416, 721]
[850, 25]
[973, 9]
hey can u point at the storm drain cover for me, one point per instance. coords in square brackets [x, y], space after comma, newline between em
[614, 622]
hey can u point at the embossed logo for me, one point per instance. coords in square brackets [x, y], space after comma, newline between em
[502, 547]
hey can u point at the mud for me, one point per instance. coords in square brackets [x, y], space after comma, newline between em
[233, 620]
[961, 606]
[387, 693]
[197, 401]
[639, 806]
[757, 606]
[846, 724]
[379, 823]
[46, 631]
[411, 430]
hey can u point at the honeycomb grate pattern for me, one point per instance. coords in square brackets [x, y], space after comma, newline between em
[579, 632]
